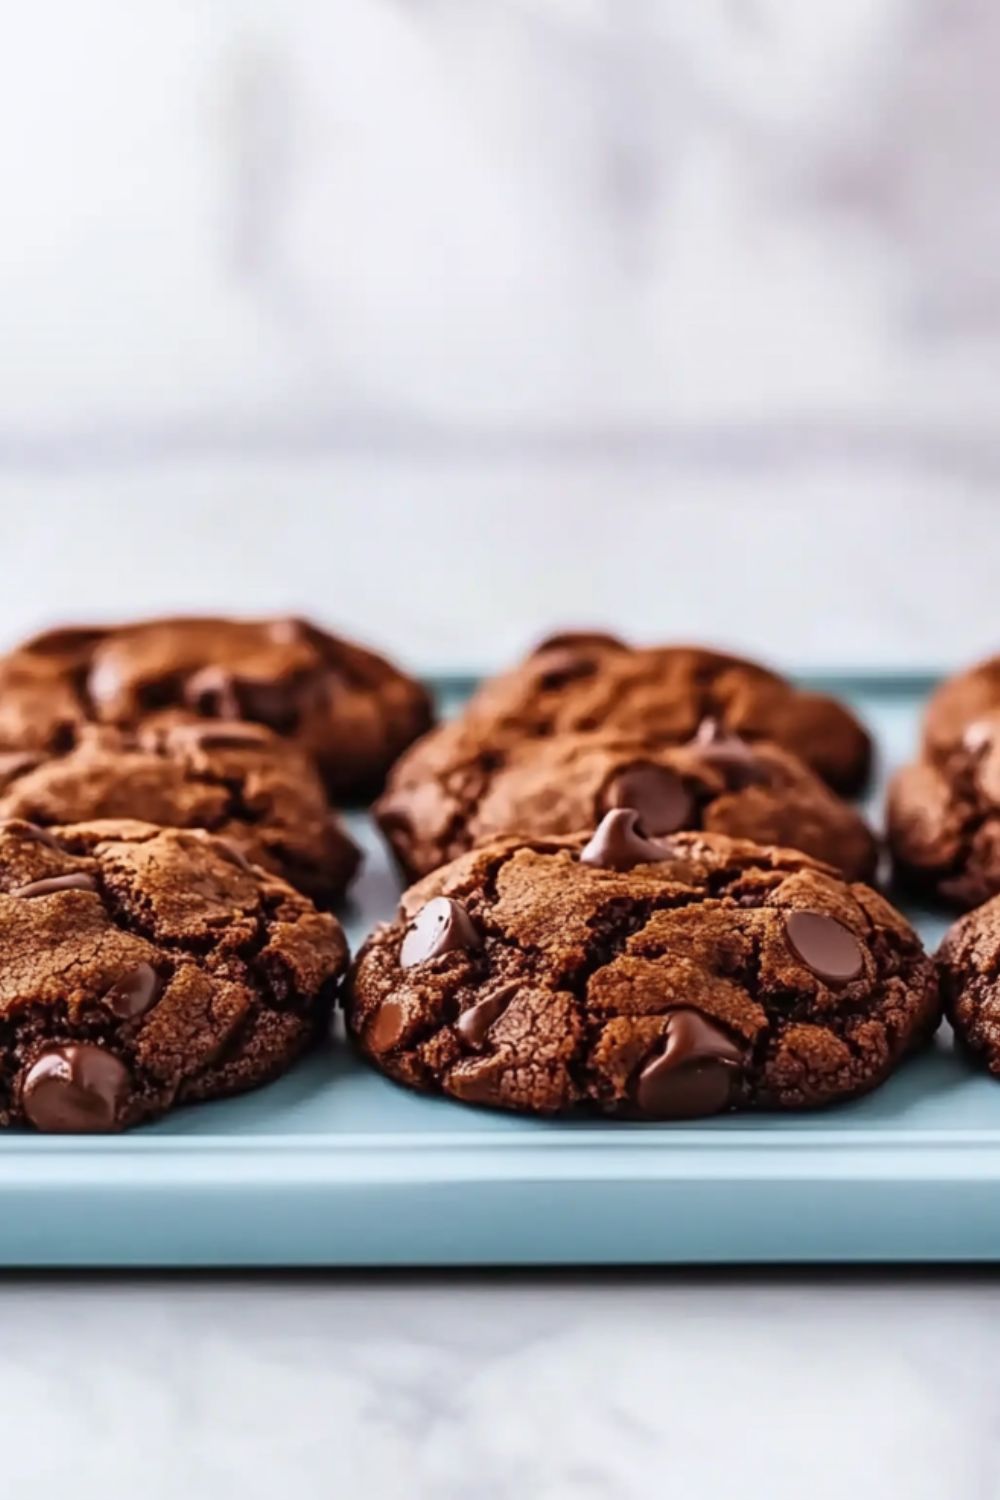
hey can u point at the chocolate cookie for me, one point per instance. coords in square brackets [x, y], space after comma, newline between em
[453, 790]
[660, 978]
[588, 681]
[347, 708]
[944, 821]
[952, 721]
[236, 780]
[970, 979]
[143, 967]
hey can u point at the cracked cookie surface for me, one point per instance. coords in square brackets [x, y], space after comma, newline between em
[456, 788]
[652, 978]
[236, 780]
[585, 681]
[143, 967]
[350, 710]
[969, 960]
[943, 820]
[953, 714]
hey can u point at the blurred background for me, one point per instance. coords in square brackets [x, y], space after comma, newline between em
[448, 320]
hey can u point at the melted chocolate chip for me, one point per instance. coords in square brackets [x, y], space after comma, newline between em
[441, 926]
[387, 1028]
[618, 843]
[235, 855]
[696, 1072]
[219, 694]
[31, 831]
[656, 793]
[54, 883]
[135, 993]
[221, 735]
[728, 754]
[825, 946]
[473, 1025]
[75, 1087]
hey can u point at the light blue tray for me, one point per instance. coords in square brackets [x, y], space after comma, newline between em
[333, 1166]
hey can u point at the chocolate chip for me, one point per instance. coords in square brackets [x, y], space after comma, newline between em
[220, 735]
[387, 1028]
[77, 1086]
[219, 694]
[656, 793]
[618, 843]
[212, 692]
[473, 1024]
[54, 883]
[695, 1073]
[134, 993]
[31, 831]
[825, 946]
[728, 754]
[441, 926]
[562, 665]
[235, 855]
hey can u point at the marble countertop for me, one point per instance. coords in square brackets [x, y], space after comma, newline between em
[496, 1387]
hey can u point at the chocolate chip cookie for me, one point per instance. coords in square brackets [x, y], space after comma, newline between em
[237, 780]
[658, 978]
[587, 681]
[348, 709]
[952, 721]
[143, 967]
[455, 789]
[969, 960]
[944, 820]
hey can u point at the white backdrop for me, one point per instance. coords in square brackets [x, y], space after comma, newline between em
[447, 566]
[446, 320]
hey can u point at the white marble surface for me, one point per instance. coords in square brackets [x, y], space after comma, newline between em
[563, 1387]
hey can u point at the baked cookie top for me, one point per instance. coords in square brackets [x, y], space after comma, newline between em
[587, 681]
[969, 959]
[235, 779]
[454, 789]
[962, 711]
[347, 708]
[944, 818]
[650, 977]
[141, 967]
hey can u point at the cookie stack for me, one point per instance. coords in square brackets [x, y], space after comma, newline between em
[169, 855]
[944, 833]
[639, 892]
